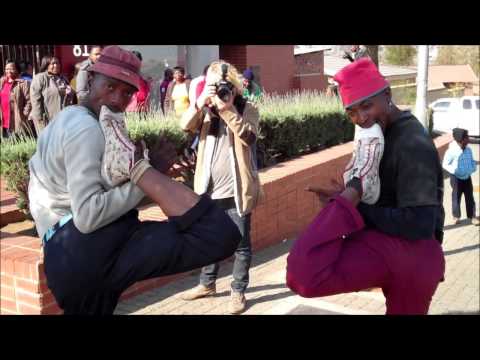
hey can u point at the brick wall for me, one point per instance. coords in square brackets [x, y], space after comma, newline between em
[309, 63]
[277, 66]
[309, 72]
[287, 209]
[235, 55]
[310, 82]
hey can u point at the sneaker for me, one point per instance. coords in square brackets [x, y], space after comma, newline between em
[365, 162]
[237, 303]
[456, 221]
[118, 158]
[475, 221]
[198, 292]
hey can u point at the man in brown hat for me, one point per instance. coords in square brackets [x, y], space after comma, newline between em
[95, 247]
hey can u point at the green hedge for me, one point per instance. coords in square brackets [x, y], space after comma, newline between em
[15, 153]
[299, 123]
[290, 125]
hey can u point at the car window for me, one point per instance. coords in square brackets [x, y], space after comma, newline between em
[442, 105]
[467, 104]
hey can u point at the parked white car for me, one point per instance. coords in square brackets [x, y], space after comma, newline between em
[450, 113]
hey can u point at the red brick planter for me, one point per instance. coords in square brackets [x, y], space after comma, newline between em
[287, 209]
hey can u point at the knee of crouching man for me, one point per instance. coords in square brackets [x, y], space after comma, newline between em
[298, 280]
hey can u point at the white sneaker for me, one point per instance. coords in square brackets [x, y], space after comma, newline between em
[365, 162]
[118, 158]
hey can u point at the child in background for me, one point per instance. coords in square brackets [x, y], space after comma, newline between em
[459, 163]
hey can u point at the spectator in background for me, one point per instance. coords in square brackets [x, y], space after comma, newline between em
[15, 101]
[459, 163]
[177, 99]
[167, 79]
[82, 77]
[139, 101]
[50, 92]
[196, 88]
[73, 82]
[252, 90]
[197, 85]
[26, 70]
[332, 88]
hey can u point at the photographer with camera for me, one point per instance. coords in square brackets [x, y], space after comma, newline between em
[226, 168]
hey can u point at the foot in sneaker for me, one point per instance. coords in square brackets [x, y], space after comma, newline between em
[365, 163]
[199, 291]
[238, 303]
[118, 158]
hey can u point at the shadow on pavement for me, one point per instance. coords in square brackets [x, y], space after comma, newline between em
[183, 284]
[253, 289]
[464, 222]
[267, 298]
[460, 250]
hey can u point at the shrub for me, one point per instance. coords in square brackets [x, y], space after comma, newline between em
[299, 123]
[16, 151]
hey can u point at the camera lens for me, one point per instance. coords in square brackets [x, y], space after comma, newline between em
[224, 92]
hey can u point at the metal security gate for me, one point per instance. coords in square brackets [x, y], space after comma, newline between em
[31, 53]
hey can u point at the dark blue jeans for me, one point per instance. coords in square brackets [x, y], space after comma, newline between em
[243, 256]
[460, 187]
[87, 273]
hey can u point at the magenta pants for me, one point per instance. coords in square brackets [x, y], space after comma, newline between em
[336, 254]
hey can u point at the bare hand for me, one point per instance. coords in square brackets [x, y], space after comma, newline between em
[140, 147]
[325, 194]
[221, 105]
[205, 98]
[163, 155]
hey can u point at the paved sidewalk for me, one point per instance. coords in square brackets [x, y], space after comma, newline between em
[267, 293]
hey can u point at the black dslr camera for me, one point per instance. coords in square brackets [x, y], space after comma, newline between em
[223, 87]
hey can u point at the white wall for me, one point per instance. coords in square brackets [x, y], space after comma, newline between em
[198, 56]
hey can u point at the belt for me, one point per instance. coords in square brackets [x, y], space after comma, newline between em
[227, 203]
[51, 231]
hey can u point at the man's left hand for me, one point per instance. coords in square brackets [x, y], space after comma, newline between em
[163, 155]
[221, 105]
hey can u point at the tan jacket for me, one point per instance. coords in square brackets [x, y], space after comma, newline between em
[168, 106]
[242, 131]
[46, 99]
[20, 105]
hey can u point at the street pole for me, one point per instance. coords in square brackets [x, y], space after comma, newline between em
[422, 84]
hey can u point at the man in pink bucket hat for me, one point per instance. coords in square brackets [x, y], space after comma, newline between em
[95, 247]
[385, 227]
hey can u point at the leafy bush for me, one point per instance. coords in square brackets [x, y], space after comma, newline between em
[16, 151]
[298, 123]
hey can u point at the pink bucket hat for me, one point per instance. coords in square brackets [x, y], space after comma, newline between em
[358, 81]
[119, 64]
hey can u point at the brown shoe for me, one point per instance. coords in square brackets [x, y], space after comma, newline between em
[198, 292]
[237, 303]
[475, 221]
[456, 221]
